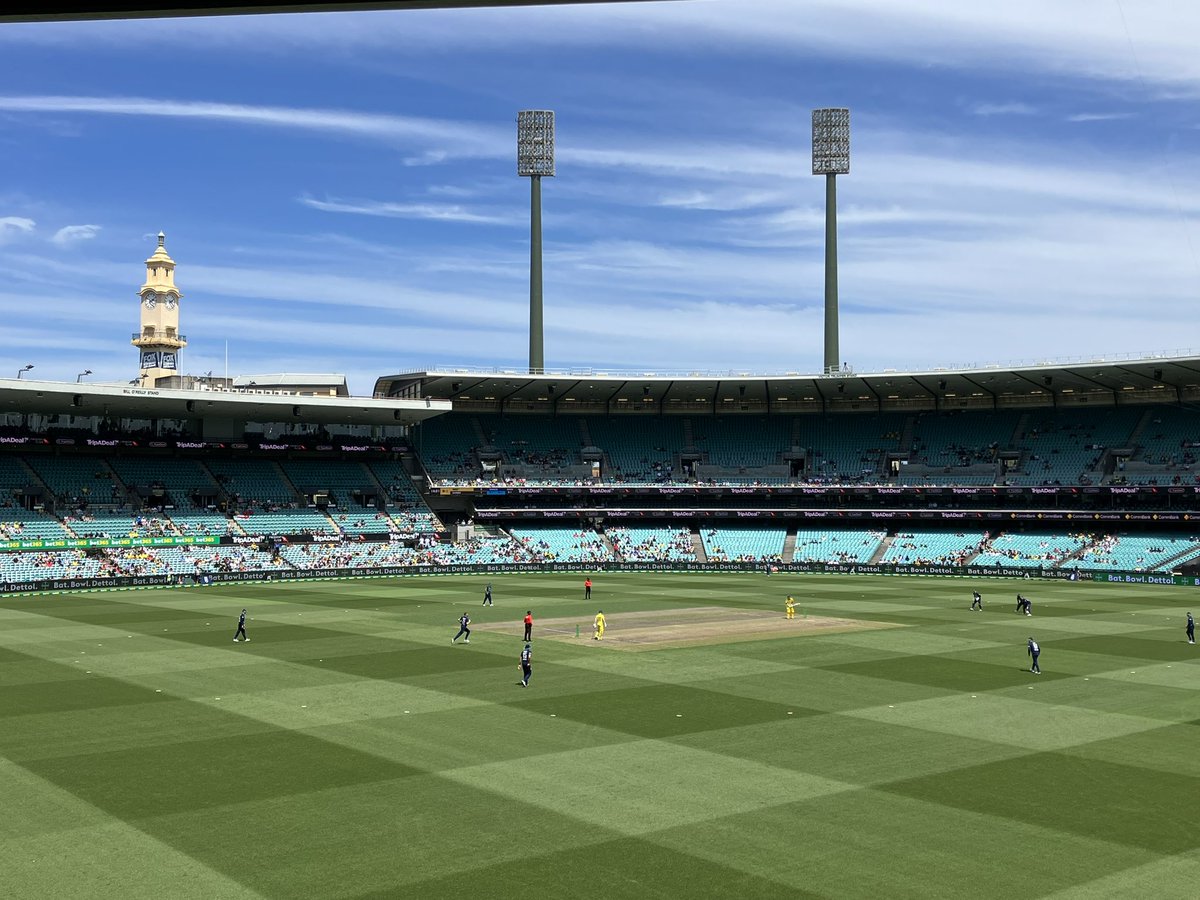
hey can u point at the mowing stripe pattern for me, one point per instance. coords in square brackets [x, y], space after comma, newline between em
[349, 750]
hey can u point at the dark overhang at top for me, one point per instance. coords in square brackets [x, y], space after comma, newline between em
[66, 10]
[1142, 379]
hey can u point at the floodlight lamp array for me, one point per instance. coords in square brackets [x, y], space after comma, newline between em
[831, 141]
[535, 142]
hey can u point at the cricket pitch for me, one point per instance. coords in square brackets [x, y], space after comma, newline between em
[695, 626]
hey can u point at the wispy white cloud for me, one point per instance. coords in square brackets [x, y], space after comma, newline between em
[1153, 39]
[440, 212]
[72, 234]
[463, 138]
[14, 226]
[1099, 117]
[1012, 108]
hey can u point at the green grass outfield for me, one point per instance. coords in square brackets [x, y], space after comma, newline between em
[350, 751]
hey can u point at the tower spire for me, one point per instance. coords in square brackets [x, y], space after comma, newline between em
[159, 340]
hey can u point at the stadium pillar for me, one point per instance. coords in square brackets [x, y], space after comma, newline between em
[537, 362]
[832, 353]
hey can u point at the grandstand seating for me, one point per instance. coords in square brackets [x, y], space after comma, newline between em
[254, 481]
[638, 450]
[118, 526]
[196, 522]
[363, 521]
[1167, 451]
[945, 478]
[1067, 447]
[743, 441]
[181, 478]
[347, 555]
[447, 445]
[408, 511]
[1031, 550]
[652, 544]
[340, 477]
[836, 545]
[745, 544]
[83, 479]
[18, 524]
[848, 447]
[483, 550]
[932, 548]
[223, 558]
[48, 565]
[292, 521]
[962, 448]
[563, 544]
[961, 439]
[1136, 553]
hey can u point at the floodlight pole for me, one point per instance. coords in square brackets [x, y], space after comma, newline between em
[831, 157]
[537, 362]
[535, 158]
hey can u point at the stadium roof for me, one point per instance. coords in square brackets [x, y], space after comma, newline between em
[1143, 377]
[56, 10]
[130, 401]
[294, 380]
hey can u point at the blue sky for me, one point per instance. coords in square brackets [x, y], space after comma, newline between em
[339, 190]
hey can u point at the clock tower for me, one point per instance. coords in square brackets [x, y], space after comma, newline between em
[159, 340]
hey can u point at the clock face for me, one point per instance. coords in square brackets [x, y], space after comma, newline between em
[170, 302]
[151, 301]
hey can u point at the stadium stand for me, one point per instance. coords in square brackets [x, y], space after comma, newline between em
[836, 546]
[563, 544]
[1136, 553]
[1031, 550]
[744, 544]
[652, 544]
[254, 482]
[849, 448]
[292, 521]
[1166, 453]
[933, 548]
[347, 555]
[21, 524]
[407, 510]
[139, 495]
[961, 441]
[76, 480]
[48, 565]
[1069, 447]
[742, 450]
[638, 450]
[341, 480]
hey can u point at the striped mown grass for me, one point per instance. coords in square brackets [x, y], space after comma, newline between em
[349, 750]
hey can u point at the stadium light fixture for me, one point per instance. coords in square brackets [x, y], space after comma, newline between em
[22, 371]
[535, 159]
[831, 158]
[79, 377]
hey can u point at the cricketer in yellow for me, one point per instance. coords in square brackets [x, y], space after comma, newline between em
[791, 607]
[598, 628]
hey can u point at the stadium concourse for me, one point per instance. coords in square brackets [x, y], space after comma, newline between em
[1055, 471]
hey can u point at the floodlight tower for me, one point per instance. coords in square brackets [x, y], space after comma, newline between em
[535, 158]
[831, 158]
